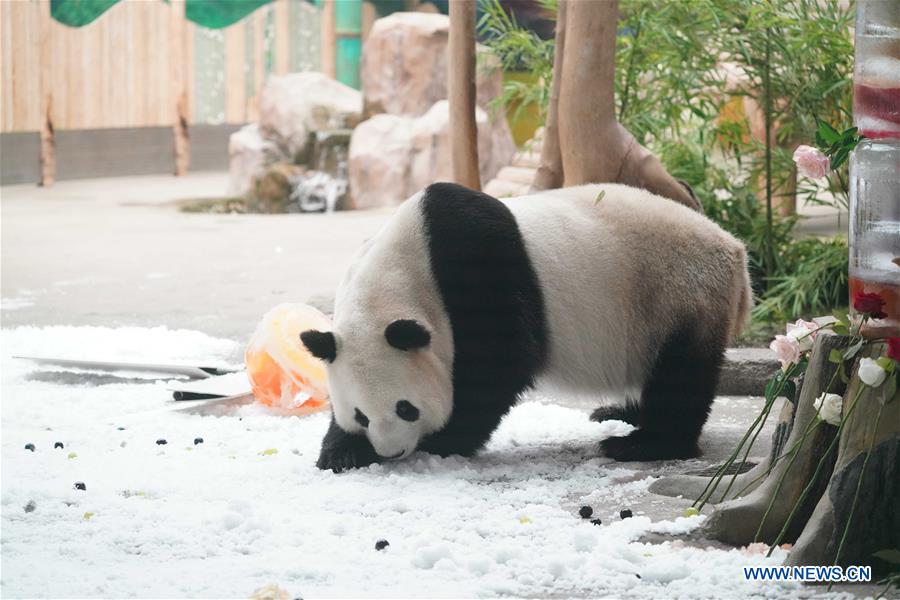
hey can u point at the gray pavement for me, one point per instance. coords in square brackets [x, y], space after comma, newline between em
[117, 251]
[114, 252]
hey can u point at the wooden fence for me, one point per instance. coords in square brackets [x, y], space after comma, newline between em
[142, 64]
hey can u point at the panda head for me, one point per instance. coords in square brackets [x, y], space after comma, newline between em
[386, 382]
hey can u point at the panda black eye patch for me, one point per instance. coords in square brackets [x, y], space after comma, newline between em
[407, 334]
[360, 418]
[406, 411]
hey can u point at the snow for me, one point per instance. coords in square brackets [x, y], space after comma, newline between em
[225, 517]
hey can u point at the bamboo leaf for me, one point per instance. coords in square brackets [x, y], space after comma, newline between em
[789, 390]
[854, 349]
[827, 132]
[841, 316]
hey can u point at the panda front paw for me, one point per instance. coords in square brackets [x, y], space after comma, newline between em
[345, 457]
[342, 451]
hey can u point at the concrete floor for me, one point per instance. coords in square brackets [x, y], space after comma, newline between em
[118, 252]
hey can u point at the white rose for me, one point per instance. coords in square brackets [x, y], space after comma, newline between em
[829, 407]
[871, 373]
[802, 337]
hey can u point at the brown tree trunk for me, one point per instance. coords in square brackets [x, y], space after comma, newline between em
[48, 141]
[182, 137]
[549, 174]
[461, 92]
[594, 147]
[587, 121]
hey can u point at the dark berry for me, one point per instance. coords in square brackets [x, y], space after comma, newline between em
[381, 544]
[161, 442]
[585, 512]
[596, 522]
[198, 441]
[625, 513]
[58, 445]
[79, 485]
[29, 447]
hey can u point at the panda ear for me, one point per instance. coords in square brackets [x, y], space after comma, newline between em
[406, 334]
[321, 344]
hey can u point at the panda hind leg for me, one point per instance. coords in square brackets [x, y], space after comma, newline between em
[675, 401]
[630, 413]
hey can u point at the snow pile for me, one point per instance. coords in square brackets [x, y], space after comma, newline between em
[247, 508]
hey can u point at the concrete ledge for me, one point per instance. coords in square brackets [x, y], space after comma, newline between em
[20, 157]
[746, 371]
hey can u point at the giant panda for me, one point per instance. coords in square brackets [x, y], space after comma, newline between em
[462, 302]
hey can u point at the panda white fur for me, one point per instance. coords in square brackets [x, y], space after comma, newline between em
[462, 302]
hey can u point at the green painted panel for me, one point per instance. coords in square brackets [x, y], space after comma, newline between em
[217, 14]
[213, 14]
[347, 61]
[77, 13]
[348, 16]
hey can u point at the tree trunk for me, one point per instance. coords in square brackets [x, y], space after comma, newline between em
[594, 147]
[549, 174]
[859, 482]
[587, 121]
[461, 92]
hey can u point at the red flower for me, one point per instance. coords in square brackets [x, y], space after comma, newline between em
[870, 304]
[894, 348]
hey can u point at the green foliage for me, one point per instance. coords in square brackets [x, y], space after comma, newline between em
[836, 146]
[519, 49]
[813, 280]
[666, 76]
[796, 57]
[678, 63]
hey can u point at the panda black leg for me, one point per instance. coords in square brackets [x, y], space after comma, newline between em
[342, 450]
[469, 429]
[675, 401]
[630, 413]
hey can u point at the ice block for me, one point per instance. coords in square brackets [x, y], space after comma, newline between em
[282, 372]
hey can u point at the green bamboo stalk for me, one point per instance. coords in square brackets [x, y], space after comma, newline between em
[767, 114]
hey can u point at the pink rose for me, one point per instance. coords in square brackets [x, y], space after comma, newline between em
[811, 162]
[787, 349]
[804, 332]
